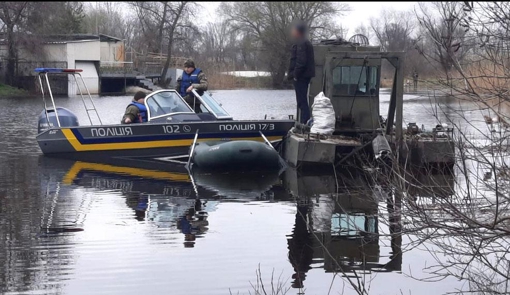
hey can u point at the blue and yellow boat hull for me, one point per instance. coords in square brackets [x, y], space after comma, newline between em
[152, 139]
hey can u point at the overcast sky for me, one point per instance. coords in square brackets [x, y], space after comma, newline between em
[360, 12]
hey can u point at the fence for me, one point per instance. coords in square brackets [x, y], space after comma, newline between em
[26, 78]
[116, 68]
[149, 65]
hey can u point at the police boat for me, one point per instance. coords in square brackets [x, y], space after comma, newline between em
[171, 128]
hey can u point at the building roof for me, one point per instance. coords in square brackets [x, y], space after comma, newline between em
[104, 37]
[64, 38]
[81, 37]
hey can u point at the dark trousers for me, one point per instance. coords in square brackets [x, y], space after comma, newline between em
[301, 87]
[192, 101]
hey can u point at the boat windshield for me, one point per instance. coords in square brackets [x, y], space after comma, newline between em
[212, 106]
[166, 102]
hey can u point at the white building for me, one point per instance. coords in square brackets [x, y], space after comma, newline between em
[78, 51]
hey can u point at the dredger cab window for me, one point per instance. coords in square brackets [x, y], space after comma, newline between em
[355, 80]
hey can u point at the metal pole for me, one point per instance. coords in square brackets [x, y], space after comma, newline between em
[391, 109]
[90, 97]
[267, 141]
[399, 95]
[82, 99]
[193, 183]
[280, 159]
[52, 100]
[44, 100]
[125, 84]
[192, 148]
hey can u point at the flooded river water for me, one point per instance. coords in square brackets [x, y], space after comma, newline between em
[83, 228]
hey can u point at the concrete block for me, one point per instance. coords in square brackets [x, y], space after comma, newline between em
[299, 149]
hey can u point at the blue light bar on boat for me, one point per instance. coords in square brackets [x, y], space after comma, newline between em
[57, 70]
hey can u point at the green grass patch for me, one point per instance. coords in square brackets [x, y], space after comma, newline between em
[9, 91]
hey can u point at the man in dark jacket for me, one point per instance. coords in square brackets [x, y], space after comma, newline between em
[301, 68]
[191, 78]
[136, 112]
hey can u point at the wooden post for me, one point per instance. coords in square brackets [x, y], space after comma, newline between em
[391, 109]
[396, 108]
[399, 95]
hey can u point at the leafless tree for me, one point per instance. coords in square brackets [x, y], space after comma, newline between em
[394, 30]
[50, 18]
[27, 24]
[164, 21]
[366, 31]
[445, 41]
[12, 16]
[108, 18]
[467, 232]
[268, 23]
[218, 41]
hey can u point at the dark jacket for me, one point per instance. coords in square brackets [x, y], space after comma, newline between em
[302, 63]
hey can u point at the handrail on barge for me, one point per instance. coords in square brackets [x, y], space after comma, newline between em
[45, 71]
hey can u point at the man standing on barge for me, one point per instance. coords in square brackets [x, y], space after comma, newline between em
[301, 68]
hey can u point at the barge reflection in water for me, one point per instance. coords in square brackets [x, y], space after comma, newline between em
[336, 227]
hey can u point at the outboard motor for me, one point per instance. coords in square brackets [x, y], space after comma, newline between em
[65, 116]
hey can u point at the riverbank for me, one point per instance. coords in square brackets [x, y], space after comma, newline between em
[231, 82]
[9, 91]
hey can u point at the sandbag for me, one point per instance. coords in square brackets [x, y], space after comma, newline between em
[323, 115]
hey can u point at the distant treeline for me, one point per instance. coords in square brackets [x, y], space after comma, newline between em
[436, 37]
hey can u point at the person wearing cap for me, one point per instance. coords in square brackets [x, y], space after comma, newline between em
[301, 68]
[136, 111]
[191, 78]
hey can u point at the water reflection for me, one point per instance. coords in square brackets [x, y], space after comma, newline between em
[105, 230]
[240, 186]
[336, 226]
[169, 198]
[431, 184]
[340, 222]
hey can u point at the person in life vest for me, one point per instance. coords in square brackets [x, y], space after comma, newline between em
[191, 78]
[136, 111]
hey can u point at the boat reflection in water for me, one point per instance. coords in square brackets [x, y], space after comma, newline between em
[240, 185]
[164, 195]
